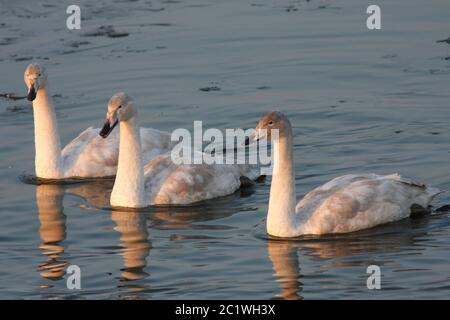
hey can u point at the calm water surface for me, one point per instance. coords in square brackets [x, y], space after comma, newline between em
[359, 101]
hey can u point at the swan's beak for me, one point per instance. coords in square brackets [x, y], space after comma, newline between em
[31, 93]
[250, 138]
[259, 134]
[254, 137]
[107, 128]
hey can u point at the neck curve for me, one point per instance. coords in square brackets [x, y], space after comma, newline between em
[281, 214]
[129, 190]
[46, 137]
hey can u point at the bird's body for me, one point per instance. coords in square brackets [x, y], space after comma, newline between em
[163, 181]
[168, 183]
[88, 155]
[345, 204]
[359, 201]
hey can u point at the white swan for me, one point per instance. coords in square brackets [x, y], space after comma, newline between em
[162, 181]
[345, 204]
[86, 156]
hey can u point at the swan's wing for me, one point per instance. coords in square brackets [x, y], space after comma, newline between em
[313, 199]
[154, 142]
[168, 183]
[356, 202]
[90, 155]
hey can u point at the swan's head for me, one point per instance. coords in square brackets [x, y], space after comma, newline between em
[120, 108]
[35, 78]
[274, 120]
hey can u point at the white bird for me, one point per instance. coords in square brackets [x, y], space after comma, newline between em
[162, 181]
[345, 204]
[88, 155]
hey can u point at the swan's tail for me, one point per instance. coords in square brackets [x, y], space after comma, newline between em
[430, 192]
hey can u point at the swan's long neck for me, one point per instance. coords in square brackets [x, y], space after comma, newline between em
[46, 137]
[129, 190]
[280, 218]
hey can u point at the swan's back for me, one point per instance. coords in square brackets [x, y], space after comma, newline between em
[90, 155]
[168, 183]
[354, 202]
[155, 142]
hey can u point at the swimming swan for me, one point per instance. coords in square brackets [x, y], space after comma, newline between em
[345, 204]
[162, 181]
[87, 155]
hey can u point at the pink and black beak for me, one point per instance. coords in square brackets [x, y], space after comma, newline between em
[255, 136]
[108, 128]
[31, 93]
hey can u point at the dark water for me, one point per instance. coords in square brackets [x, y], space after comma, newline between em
[359, 100]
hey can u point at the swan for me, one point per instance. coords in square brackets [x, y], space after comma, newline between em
[161, 181]
[87, 155]
[345, 204]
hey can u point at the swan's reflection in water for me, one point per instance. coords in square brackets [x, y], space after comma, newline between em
[134, 242]
[359, 249]
[196, 215]
[286, 266]
[95, 193]
[52, 230]
[135, 249]
[134, 237]
[132, 226]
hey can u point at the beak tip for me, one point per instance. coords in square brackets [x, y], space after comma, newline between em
[31, 94]
[103, 134]
[106, 130]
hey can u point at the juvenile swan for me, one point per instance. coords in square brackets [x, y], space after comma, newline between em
[162, 181]
[345, 204]
[87, 155]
